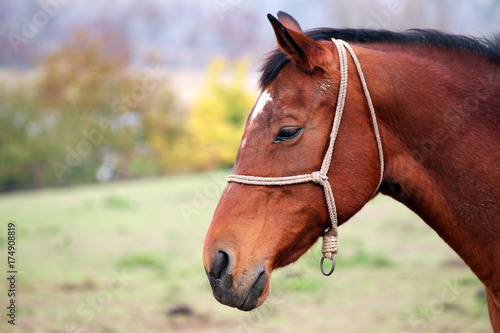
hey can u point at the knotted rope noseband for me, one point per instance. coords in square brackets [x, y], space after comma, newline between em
[320, 177]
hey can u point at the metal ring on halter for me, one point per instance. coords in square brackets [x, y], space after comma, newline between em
[322, 269]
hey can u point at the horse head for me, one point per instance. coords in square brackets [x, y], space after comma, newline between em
[256, 229]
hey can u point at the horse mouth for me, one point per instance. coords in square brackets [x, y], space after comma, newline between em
[251, 301]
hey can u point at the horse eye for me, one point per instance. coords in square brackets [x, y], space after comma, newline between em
[287, 133]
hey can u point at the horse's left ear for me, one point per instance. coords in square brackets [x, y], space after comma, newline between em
[302, 50]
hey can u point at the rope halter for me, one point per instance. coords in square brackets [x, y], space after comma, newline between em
[320, 177]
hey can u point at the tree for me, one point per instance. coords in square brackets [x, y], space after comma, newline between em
[218, 117]
[56, 127]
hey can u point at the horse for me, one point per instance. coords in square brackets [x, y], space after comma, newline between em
[420, 123]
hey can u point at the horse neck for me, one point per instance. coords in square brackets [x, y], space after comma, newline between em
[439, 124]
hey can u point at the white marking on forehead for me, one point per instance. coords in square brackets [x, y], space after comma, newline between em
[264, 98]
[261, 103]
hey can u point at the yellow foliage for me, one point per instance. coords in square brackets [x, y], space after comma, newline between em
[218, 117]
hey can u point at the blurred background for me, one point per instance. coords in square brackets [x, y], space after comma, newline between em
[156, 93]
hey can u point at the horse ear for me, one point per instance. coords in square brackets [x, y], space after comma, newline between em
[301, 49]
[288, 21]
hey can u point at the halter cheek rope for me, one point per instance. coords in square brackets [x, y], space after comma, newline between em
[320, 177]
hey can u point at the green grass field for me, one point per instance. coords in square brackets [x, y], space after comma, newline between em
[127, 257]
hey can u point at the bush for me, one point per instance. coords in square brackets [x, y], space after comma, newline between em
[218, 117]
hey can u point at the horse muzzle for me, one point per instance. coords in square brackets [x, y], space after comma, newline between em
[245, 291]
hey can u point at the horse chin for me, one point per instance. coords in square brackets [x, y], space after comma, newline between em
[257, 294]
[253, 296]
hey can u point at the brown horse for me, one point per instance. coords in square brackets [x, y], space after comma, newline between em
[437, 102]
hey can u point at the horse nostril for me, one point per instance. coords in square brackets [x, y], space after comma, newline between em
[219, 265]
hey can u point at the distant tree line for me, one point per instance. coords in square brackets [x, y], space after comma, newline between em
[86, 116]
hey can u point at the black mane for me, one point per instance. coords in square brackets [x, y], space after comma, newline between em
[487, 47]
